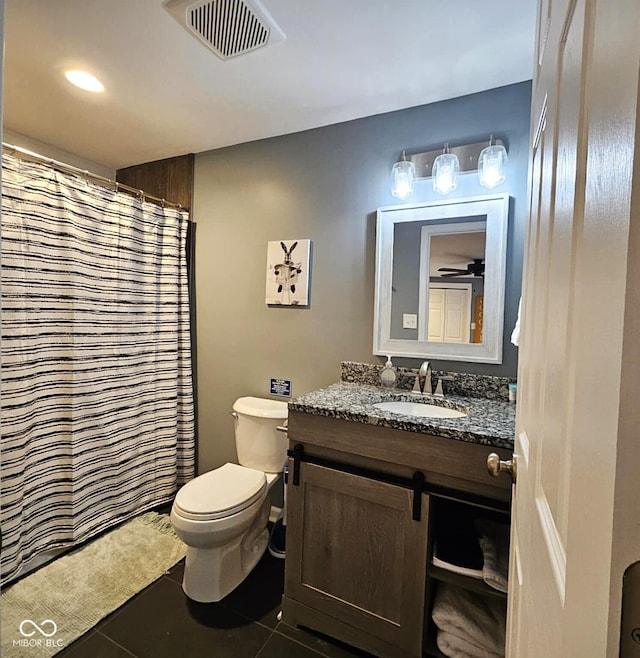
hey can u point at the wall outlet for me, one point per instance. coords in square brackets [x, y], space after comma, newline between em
[409, 321]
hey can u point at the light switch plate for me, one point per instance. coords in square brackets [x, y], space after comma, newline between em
[409, 321]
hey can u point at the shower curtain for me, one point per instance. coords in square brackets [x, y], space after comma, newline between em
[96, 394]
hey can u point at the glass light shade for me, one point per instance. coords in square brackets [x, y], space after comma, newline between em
[402, 177]
[445, 173]
[492, 166]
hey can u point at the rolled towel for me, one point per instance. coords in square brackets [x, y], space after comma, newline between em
[480, 621]
[457, 647]
[494, 542]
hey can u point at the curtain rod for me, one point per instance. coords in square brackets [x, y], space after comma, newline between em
[102, 180]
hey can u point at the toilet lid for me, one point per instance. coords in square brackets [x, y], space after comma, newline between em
[261, 407]
[221, 492]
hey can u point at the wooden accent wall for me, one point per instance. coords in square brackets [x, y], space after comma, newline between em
[170, 179]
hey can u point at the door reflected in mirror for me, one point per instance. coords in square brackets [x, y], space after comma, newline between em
[440, 279]
[456, 284]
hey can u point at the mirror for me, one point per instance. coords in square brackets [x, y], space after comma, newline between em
[440, 275]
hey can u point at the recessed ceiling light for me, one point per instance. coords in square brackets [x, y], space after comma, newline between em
[84, 80]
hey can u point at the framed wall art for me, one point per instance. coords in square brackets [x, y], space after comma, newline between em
[288, 272]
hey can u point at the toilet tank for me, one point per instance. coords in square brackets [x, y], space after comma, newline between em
[259, 444]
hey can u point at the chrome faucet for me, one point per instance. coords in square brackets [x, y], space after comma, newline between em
[425, 371]
[439, 392]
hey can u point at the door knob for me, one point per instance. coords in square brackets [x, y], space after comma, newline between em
[495, 466]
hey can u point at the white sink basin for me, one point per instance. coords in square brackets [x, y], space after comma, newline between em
[418, 409]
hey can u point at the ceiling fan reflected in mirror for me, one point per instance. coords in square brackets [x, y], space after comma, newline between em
[473, 269]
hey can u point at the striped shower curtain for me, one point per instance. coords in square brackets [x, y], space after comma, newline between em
[96, 395]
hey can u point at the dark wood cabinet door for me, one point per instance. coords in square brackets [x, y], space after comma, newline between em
[355, 554]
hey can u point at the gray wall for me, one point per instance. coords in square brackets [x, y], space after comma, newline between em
[325, 185]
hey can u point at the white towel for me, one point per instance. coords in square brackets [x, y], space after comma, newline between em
[515, 334]
[449, 566]
[457, 647]
[480, 621]
[494, 542]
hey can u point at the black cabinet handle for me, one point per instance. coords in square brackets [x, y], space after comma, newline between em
[298, 451]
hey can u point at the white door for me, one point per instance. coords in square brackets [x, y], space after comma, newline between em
[457, 318]
[450, 313]
[575, 513]
[436, 314]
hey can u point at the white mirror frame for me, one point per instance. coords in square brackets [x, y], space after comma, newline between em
[496, 210]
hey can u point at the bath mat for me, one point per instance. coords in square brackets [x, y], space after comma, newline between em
[47, 610]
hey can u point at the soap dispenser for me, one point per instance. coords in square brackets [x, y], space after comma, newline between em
[388, 374]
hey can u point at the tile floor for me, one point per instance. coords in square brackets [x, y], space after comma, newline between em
[160, 622]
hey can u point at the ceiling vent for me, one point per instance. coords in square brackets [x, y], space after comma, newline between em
[229, 27]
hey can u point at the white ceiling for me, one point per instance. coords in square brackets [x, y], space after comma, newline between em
[167, 94]
[455, 250]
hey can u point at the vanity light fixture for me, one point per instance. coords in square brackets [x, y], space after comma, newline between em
[402, 177]
[445, 171]
[492, 165]
[489, 159]
[84, 80]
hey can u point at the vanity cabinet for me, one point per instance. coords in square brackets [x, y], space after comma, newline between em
[359, 529]
[354, 545]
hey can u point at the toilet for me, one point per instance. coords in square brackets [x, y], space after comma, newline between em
[222, 515]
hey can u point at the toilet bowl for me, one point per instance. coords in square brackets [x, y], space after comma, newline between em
[222, 515]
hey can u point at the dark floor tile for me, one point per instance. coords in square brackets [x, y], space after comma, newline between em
[117, 611]
[162, 622]
[94, 645]
[279, 646]
[321, 643]
[177, 572]
[259, 595]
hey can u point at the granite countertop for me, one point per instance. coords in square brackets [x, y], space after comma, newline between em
[489, 422]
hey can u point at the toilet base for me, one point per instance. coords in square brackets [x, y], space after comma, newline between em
[212, 573]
